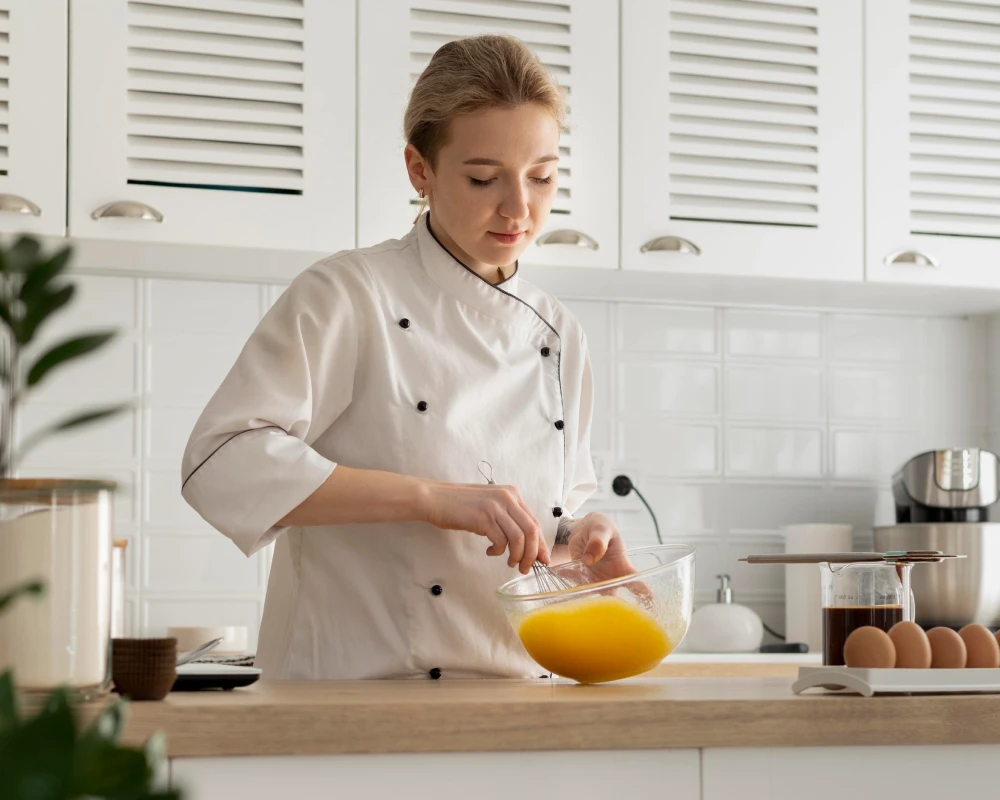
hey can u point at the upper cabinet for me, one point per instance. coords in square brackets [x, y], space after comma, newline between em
[742, 137]
[33, 116]
[933, 141]
[576, 39]
[220, 122]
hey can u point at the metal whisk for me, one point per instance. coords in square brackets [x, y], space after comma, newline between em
[548, 579]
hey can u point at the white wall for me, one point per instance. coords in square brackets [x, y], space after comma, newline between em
[732, 422]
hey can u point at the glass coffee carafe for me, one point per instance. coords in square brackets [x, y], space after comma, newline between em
[856, 595]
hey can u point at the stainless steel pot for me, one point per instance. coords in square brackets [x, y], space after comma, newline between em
[955, 592]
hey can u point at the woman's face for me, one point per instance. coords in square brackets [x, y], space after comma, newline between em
[494, 183]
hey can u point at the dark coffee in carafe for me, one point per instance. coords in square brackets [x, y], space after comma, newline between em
[840, 621]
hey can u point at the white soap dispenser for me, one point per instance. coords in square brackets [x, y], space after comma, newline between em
[724, 626]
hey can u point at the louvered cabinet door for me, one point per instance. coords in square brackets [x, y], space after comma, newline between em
[933, 141]
[741, 137]
[33, 116]
[220, 122]
[577, 40]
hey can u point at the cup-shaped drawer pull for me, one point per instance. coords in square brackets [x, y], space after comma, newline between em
[566, 236]
[912, 257]
[127, 208]
[18, 205]
[677, 244]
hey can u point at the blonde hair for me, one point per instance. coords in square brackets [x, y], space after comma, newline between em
[473, 74]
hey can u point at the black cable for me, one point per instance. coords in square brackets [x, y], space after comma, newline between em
[655, 523]
[775, 634]
[622, 485]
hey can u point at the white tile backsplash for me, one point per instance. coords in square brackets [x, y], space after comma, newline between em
[184, 369]
[895, 340]
[669, 448]
[229, 309]
[878, 394]
[768, 391]
[732, 422]
[773, 334]
[678, 388]
[769, 452]
[213, 565]
[167, 432]
[668, 329]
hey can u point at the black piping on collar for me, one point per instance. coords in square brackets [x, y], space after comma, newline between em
[549, 325]
[430, 230]
[492, 285]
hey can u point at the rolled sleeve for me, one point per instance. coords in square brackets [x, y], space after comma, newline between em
[250, 458]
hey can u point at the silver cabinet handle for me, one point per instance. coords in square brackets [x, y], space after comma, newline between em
[567, 237]
[18, 205]
[675, 243]
[912, 257]
[127, 208]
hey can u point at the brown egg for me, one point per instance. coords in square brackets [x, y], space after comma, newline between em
[982, 647]
[947, 649]
[869, 647]
[913, 648]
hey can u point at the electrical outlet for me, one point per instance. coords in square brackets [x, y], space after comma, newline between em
[602, 469]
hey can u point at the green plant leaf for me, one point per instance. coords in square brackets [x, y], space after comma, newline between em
[39, 275]
[106, 770]
[12, 324]
[67, 423]
[29, 587]
[67, 351]
[8, 703]
[107, 725]
[37, 761]
[22, 256]
[45, 303]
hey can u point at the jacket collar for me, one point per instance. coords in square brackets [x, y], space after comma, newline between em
[499, 301]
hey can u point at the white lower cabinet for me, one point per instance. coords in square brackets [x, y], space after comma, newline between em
[833, 773]
[578, 774]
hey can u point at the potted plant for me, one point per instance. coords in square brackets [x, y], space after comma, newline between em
[47, 756]
[54, 531]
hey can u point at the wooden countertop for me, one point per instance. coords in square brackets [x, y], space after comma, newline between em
[326, 717]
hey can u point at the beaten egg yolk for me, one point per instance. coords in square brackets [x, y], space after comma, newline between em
[595, 639]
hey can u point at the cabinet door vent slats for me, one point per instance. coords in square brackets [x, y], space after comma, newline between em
[215, 95]
[4, 88]
[744, 121]
[545, 27]
[954, 107]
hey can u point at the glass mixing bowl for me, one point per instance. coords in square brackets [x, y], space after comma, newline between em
[606, 628]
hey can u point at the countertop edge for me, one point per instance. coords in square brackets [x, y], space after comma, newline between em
[252, 726]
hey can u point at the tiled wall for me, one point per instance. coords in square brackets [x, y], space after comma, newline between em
[732, 422]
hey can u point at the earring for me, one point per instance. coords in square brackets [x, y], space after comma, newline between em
[420, 194]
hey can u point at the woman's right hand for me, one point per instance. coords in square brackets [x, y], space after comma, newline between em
[494, 511]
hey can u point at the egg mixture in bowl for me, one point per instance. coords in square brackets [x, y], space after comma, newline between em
[604, 629]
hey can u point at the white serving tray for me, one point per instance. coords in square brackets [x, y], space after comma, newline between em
[868, 682]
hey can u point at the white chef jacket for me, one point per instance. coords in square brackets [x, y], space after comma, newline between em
[395, 357]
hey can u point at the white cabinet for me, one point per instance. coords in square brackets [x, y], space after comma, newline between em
[215, 122]
[933, 141]
[742, 137]
[831, 773]
[33, 116]
[540, 775]
[576, 39]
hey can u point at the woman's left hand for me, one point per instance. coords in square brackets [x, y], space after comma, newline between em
[596, 541]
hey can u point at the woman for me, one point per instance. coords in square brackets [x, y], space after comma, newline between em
[351, 429]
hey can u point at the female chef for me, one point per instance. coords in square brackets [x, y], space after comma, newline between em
[351, 429]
